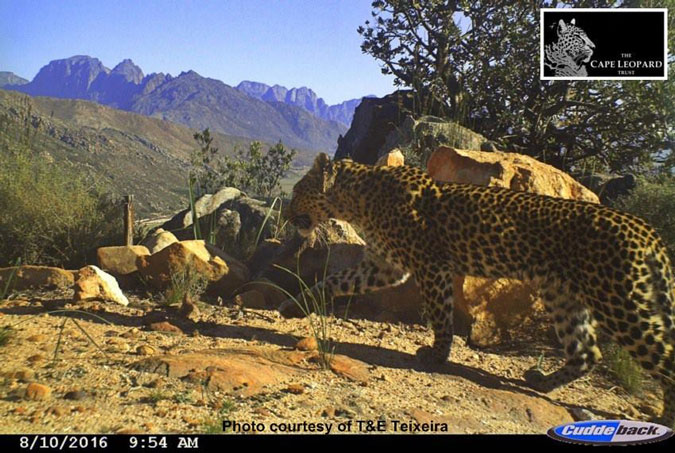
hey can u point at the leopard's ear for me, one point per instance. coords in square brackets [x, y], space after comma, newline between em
[323, 167]
[321, 161]
[561, 26]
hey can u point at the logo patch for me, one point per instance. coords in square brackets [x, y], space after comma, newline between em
[603, 44]
[622, 432]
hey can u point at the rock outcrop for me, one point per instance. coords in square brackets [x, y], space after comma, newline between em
[382, 124]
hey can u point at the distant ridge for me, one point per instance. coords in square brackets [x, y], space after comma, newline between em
[9, 78]
[302, 97]
[188, 99]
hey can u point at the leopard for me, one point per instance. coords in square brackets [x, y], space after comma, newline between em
[567, 56]
[598, 269]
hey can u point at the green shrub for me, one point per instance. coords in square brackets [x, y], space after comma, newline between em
[50, 215]
[626, 370]
[654, 201]
[186, 282]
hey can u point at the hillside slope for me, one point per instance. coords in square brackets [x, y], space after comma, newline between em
[127, 152]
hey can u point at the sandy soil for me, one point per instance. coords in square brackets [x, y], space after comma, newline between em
[479, 391]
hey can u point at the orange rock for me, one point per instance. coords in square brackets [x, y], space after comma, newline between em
[223, 272]
[296, 389]
[501, 169]
[244, 372]
[36, 277]
[93, 283]
[350, 368]
[164, 326]
[36, 391]
[393, 158]
[120, 260]
[307, 344]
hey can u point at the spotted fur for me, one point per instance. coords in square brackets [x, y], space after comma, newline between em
[597, 268]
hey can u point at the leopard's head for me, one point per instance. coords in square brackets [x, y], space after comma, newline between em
[310, 204]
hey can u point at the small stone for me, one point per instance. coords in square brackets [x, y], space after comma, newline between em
[164, 326]
[36, 391]
[118, 345]
[328, 412]
[55, 410]
[307, 344]
[157, 383]
[75, 395]
[296, 389]
[262, 411]
[149, 426]
[37, 338]
[24, 375]
[80, 409]
[191, 421]
[145, 349]
[132, 333]
[35, 358]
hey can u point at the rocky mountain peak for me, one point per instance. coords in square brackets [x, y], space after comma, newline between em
[129, 71]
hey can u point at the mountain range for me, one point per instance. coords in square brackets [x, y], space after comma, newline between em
[297, 117]
[302, 97]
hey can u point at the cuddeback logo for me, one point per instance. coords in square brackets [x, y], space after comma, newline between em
[622, 432]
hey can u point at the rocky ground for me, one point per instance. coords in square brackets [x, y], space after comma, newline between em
[164, 373]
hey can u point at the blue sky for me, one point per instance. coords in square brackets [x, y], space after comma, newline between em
[290, 42]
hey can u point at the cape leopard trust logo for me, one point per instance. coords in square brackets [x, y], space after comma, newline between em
[603, 432]
[603, 44]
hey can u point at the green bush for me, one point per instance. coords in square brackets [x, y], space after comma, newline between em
[654, 201]
[51, 216]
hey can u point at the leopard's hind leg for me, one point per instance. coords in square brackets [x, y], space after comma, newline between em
[435, 283]
[575, 329]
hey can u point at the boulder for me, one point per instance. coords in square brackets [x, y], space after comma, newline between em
[494, 307]
[159, 240]
[36, 277]
[502, 169]
[332, 247]
[93, 283]
[234, 217]
[120, 260]
[383, 124]
[393, 158]
[609, 187]
[223, 272]
[205, 205]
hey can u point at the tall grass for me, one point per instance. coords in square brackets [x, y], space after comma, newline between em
[314, 304]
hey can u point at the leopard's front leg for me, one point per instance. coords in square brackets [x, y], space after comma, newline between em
[370, 274]
[435, 284]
